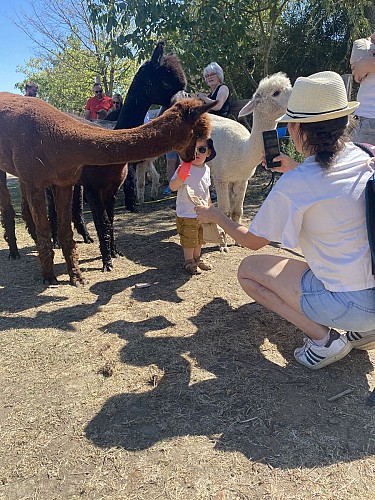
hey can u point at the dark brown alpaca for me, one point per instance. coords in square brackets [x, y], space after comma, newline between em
[156, 82]
[44, 147]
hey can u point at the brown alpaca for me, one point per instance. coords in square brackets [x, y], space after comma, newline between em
[43, 146]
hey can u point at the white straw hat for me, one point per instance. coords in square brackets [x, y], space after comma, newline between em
[319, 97]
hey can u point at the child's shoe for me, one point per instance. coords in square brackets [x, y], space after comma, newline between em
[314, 356]
[204, 265]
[191, 267]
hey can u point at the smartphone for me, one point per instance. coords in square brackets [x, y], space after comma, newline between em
[271, 148]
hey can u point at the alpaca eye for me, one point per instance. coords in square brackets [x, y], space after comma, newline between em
[275, 94]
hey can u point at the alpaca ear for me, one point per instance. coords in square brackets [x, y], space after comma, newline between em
[157, 54]
[203, 108]
[249, 107]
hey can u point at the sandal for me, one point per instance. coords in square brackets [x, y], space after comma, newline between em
[191, 267]
[203, 264]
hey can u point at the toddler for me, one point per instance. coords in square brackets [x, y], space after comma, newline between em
[197, 177]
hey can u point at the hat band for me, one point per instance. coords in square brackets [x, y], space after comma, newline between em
[298, 114]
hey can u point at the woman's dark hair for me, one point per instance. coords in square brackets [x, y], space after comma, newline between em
[326, 138]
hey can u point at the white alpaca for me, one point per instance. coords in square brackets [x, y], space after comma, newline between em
[238, 151]
[144, 167]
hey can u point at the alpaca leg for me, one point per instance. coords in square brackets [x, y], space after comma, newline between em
[140, 176]
[63, 199]
[110, 209]
[238, 196]
[129, 188]
[7, 218]
[155, 177]
[223, 202]
[77, 214]
[37, 204]
[102, 226]
[52, 215]
[26, 214]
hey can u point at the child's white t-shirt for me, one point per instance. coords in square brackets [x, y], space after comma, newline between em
[199, 181]
[323, 212]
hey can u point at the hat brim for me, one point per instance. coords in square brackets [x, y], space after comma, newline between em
[210, 143]
[352, 106]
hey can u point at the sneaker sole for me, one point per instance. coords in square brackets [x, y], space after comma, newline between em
[363, 344]
[327, 361]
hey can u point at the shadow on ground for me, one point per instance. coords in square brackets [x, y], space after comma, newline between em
[277, 414]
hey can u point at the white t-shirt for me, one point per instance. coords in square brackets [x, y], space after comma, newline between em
[324, 214]
[199, 180]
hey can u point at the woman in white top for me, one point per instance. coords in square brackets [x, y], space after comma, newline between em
[319, 206]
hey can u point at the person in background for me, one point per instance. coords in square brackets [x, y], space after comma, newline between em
[96, 103]
[195, 176]
[214, 77]
[31, 89]
[319, 206]
[173, 161]
[116, 101]
[362, 62]
[114, 112]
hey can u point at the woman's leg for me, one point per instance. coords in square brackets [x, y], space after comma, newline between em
[274, 282]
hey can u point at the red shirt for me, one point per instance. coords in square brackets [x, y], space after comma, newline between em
[94, 104]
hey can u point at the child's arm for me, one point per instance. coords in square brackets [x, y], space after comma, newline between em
[182, 174]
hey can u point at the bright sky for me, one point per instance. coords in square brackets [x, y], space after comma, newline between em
[16, 47]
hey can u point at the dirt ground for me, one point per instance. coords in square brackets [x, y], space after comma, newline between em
[183, 389]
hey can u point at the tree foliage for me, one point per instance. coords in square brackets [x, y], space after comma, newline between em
[73, 52]
[248, 38]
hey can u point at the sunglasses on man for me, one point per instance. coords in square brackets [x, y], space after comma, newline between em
[98, 91]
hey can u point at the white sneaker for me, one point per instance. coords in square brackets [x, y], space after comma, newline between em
[314, 356]
[362, 340]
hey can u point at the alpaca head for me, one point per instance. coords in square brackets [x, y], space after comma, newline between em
[192, 113]
[158, 79]
[270, 98]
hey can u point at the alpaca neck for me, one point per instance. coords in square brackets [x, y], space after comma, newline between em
[101, 146]
[260, 123]
[132, 113]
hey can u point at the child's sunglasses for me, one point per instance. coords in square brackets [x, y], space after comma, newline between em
[201, 150]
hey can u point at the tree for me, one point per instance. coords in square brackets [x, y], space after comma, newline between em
[70, 44]
[248, 38]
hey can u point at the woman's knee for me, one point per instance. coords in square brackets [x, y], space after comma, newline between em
[245, 270]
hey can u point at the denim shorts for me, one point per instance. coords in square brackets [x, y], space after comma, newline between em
[364, 130]
[353, 311]
[171, 155]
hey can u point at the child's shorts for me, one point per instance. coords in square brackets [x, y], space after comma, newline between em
[190, 231]
[353, 311]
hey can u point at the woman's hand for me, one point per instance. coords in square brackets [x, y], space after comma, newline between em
[206, 214]
[202, 96]
[362, 67]
[287, 163]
